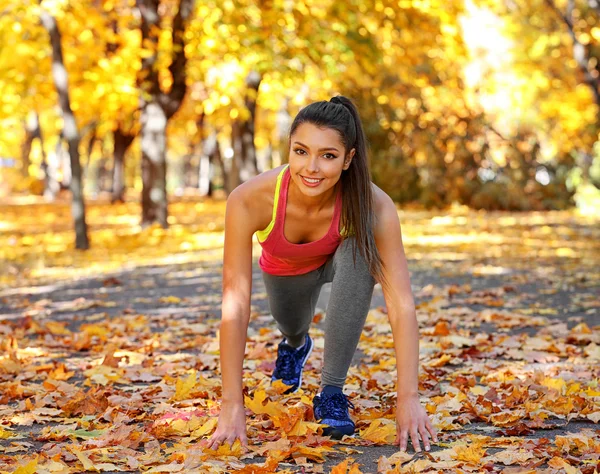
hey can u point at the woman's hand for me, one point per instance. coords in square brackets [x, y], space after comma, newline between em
[412, 420]
[231, 426]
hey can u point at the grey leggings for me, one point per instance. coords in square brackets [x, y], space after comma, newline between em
[292, 300]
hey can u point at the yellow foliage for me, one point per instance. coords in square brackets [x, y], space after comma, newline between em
[29, 468]
[380, 431]
[184, 387]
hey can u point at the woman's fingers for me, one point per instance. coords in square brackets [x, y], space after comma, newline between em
[414, 437]
[425, 437]
[431, 430]
[403, 439]
[218, 439]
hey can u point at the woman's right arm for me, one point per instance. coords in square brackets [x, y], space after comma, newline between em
[235, 314]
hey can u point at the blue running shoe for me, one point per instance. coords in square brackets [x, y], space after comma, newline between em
[331, 409]
[290, 362]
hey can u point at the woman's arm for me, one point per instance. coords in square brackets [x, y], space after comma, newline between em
[235, 314]
[410, 416]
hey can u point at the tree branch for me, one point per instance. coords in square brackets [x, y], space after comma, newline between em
[580, 54]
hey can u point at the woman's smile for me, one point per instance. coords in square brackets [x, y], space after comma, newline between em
[311, 182]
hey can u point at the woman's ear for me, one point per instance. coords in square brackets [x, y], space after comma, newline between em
[348, 159]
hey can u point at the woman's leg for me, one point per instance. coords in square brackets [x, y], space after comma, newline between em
[292, 301]
[351, 292]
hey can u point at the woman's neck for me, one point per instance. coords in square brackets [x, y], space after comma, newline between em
[312, 204]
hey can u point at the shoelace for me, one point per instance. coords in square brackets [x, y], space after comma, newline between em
[285, 364]
[335, 405]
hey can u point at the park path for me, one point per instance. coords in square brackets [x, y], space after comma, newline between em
[509, 314]
[191, 292]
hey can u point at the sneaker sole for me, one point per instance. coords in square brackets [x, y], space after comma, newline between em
[335, 433]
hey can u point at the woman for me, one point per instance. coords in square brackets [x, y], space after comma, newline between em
[319, 219]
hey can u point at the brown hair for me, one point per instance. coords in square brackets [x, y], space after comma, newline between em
[358, 216]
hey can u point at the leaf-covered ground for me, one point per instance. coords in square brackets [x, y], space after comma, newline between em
[108, 358]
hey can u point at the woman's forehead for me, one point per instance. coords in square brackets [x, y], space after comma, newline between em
[317, 137]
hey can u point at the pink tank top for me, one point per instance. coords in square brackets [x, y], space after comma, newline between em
[283, 258]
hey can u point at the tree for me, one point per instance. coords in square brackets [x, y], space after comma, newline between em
[159, 106]
[70, 130]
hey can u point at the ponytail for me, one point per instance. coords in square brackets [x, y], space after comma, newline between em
[358, 216]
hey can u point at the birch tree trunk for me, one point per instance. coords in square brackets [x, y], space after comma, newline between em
[70, 131]
[159, 106]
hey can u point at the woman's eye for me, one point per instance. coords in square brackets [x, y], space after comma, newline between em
[299, 151]
[329, 156]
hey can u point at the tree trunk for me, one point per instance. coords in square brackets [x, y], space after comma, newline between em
[282, 128]
[243, 164]
[154, 165]
[122, 141]
[158, 106]
[212, 150]
[70, 131]
[32, 131]
[248, 127]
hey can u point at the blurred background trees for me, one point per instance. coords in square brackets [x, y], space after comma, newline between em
[486, 103]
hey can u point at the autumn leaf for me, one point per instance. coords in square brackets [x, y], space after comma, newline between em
[259, 404]
[346, 468]
[29, 468]
[184, 387]
[5, 434]
[380, 431]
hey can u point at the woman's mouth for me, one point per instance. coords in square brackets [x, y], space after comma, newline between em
[311, 182]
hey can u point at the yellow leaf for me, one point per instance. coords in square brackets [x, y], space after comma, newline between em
[28, 468]
[381, 431]
[4, 434]
[441, 361]
[505, 417]
[206, 428]
[170, 299]
[184, 388]
[556, 384]
[302, 428]
[258, 406]
[88, 465]
[58, 329]
[469, 454]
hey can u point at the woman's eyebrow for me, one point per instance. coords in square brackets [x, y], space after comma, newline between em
[320, 149]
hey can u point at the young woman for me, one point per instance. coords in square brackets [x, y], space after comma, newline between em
[319, 219]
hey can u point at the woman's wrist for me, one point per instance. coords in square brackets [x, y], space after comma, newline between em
[407, 394]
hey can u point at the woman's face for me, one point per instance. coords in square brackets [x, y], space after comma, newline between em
[317, 159]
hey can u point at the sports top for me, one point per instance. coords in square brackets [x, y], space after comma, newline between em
[283, 258]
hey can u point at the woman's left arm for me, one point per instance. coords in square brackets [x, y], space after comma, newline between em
[411, 419]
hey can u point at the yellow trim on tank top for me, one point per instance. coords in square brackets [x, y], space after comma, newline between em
[262, 235]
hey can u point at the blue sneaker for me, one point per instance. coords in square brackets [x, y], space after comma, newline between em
[331, 409]
[290, 362]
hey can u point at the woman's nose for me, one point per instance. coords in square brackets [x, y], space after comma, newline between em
[313, 165]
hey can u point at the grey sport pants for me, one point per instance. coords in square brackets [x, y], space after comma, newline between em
[292, 300]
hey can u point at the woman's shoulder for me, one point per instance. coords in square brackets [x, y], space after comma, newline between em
[256, 196]
[382, 203]
[261, 185]
[386, 212]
